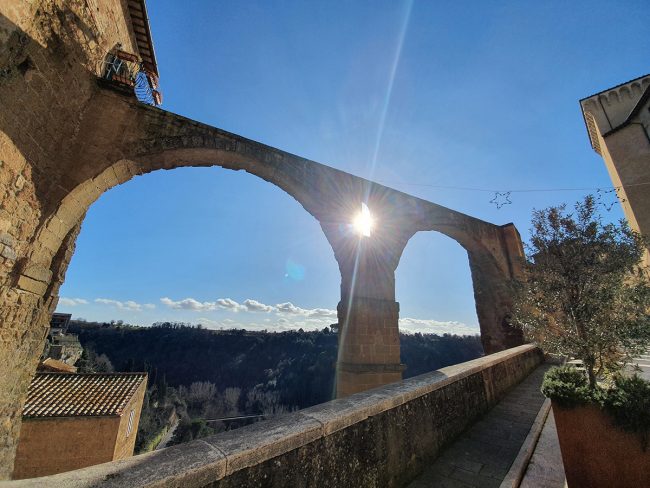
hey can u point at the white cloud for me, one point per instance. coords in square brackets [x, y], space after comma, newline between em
[212, 324]
[197, 306]
[290, 316]
[255, 306]
[72, 302]
[436, 327]
[322, 313]
[230, 304]
[189, 304]
[250, 305]
[129, 305]
[289, 308]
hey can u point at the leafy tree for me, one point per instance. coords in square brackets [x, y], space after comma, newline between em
[190, 429]
[586, 295]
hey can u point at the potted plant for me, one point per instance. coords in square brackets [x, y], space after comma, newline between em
[586, 297]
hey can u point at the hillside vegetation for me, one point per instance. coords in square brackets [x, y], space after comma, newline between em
[197, 374]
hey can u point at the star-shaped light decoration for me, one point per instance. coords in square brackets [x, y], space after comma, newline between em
[501, 198]
[608, 198]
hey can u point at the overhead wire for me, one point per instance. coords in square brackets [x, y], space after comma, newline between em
[526, 190]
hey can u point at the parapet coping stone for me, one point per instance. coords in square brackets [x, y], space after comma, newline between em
[199, 462]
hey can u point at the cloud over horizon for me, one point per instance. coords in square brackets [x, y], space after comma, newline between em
[129, 305]
[248, 305]
[72, 302]
[411, 325]
[282, 316]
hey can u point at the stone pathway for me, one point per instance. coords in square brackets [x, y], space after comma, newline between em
[482, 455]
[545, 469]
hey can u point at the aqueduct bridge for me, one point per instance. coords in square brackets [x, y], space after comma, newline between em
[65, 138]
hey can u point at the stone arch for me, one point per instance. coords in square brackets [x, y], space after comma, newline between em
[54, 242]
[495, 257]
[118, 139]
[434, 281]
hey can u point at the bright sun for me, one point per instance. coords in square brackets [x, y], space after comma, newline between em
[364, 222]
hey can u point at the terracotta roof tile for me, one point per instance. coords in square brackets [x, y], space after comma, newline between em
[54, 365]
[77, 394]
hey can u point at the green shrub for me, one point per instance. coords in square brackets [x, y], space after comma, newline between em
[628, 402]
[568, 387]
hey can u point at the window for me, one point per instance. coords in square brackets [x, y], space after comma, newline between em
[129, 427]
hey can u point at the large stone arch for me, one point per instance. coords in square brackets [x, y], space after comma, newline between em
[123, 139]
[65, 138]
[120, 139]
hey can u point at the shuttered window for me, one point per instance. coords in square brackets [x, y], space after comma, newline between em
[129, 427]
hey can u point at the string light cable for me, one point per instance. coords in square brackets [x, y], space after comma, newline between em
[502, 197]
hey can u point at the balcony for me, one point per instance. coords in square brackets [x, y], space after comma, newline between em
[127, 72]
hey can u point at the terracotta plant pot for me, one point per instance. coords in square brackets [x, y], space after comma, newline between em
[596, 453]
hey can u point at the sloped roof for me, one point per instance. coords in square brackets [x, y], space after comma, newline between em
[54, 365]
[140, 23]
[77, 394]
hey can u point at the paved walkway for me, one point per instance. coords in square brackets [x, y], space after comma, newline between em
[545, 469]
[482, 455]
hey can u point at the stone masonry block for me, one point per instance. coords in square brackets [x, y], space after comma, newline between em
[31, 285]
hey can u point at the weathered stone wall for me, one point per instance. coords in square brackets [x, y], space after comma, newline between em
[378, 438]
[48, 52]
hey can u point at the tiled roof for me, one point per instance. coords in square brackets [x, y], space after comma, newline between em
[76, 394]
[54, 365]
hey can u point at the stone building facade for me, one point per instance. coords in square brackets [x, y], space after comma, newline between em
[66, 137]
[618, 124]
[76, 420]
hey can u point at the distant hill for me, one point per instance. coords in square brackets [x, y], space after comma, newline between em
[298, 365]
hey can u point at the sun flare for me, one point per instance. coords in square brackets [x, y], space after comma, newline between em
[363, 223]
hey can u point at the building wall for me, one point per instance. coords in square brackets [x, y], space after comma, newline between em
[124, 444]
[624, 144]
[627, 156]
[47, 50]
[54, 445]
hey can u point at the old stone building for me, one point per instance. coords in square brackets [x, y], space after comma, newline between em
[618, 124]
[70, 130]
[72, 421]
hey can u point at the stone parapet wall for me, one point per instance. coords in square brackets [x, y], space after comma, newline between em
[381, 437]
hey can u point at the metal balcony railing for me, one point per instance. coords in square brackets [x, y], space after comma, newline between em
[127, 71]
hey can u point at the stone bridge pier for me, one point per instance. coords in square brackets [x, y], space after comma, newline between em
[368, 315]
[369, 350]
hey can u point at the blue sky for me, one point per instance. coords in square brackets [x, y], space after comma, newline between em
[415, 95]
